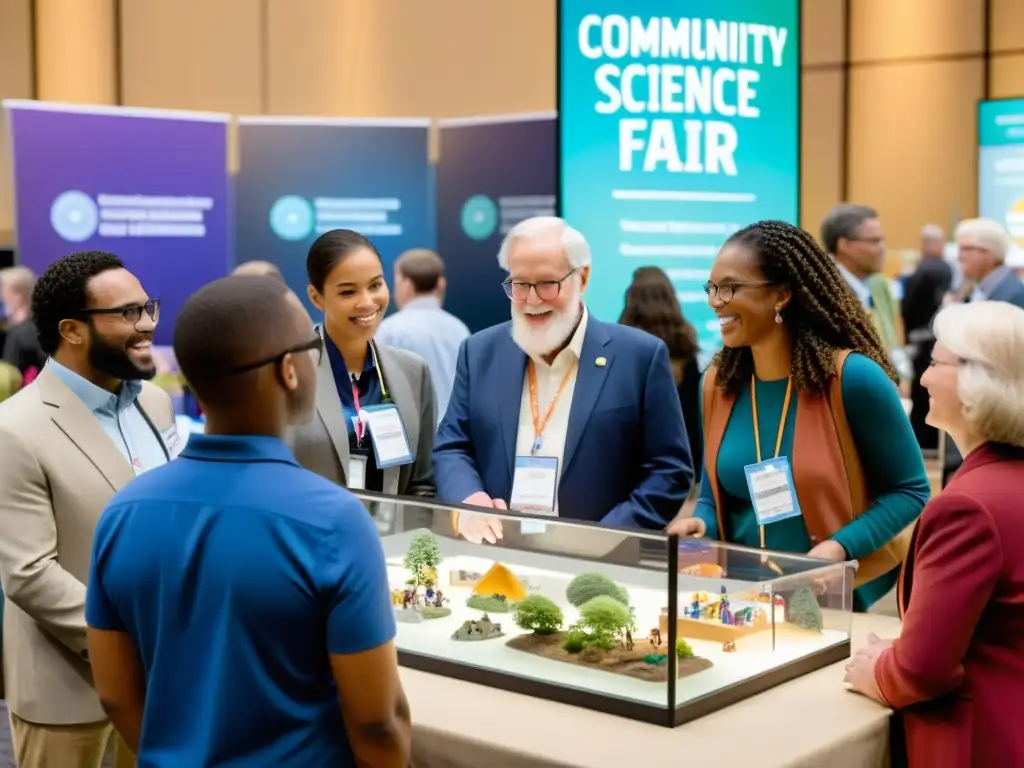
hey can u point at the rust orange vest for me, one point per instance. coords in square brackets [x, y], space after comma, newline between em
[827, 471]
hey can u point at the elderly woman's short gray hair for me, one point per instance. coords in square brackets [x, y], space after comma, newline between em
[988, 339]
[987, 234]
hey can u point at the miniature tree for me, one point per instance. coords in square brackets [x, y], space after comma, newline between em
[575, 639]
[803, 609]
[587, 586]
[423, 553]
[683, 649]
[603, 618]
[539, 614]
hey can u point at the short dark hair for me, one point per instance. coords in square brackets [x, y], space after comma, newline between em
[843, 221]
[329, 249]
[60, 293]
[423, 268]
[652, 306]
[823, 316]
[228, 323]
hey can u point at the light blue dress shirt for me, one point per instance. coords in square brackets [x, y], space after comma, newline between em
[120, 417]
[433, 334]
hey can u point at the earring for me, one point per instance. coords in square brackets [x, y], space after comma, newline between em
[778, 314]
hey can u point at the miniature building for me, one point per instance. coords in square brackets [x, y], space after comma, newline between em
[482, 629]
[499, 580]
[464, 578]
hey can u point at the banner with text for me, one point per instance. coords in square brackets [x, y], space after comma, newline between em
[493, 172]
[679, 123]
[150, 186]
[301, 177]
[1001, 167]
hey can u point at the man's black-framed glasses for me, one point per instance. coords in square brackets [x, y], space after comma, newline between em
[130, 313]
[726, 291]
[547, 290]
[315, 347]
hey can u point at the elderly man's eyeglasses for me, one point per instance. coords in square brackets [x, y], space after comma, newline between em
[315, 347]
[130, 313]
[546, 290]
[726, 291]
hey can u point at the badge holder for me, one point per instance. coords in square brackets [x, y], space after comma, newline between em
[770, 485]
[534, 489]
[370, 416]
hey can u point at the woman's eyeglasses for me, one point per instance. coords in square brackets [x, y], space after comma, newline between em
[725, 291]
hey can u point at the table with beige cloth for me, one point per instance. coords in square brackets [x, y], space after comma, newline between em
[811, 722]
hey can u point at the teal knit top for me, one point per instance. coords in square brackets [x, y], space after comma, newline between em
[893, 468]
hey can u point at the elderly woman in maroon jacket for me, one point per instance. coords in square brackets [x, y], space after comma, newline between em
[955, 676]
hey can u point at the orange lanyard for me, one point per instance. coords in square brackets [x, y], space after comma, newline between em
[538, 423]
[757, 430]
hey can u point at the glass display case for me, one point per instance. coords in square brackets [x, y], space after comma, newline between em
[631, 623]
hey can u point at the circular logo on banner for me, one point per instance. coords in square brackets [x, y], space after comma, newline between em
[74, 216]
[291, 217]
[479, 217]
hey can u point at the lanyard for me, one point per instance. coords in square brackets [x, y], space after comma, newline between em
[782, 425]
[360, 426]
[538, 423]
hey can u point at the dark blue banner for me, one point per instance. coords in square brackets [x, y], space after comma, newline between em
[493, 172]
[300, 177]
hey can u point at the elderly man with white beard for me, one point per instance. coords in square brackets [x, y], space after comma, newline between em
[556, 413]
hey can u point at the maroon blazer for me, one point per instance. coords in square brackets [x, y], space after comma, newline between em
[956, 673]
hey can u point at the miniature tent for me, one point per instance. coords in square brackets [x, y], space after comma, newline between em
[499, 580]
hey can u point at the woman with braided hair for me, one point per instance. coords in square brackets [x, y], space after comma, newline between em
[807, 446]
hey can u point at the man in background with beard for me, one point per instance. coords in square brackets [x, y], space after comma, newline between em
[84, 428]
[557, 413]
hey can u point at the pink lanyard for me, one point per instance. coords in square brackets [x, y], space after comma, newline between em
[360, 427]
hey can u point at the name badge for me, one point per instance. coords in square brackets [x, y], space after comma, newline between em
[356, 476]
[534, 485]
[172, 440]
[770, 484]
[387, 431]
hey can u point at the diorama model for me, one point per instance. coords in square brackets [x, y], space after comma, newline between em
[603, 637]
[603, 632]
[420, 598]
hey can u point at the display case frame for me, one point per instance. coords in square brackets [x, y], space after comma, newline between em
[658, 553]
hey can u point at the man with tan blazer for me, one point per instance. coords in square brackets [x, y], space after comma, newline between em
[83, 429]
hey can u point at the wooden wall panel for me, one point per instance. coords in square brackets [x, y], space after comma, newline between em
[821, 137]
[901, 29]
[76, 51]
[16, 80]
[912, 143]
[822, 31]
[1007, 21]
[193, 54]
[1007, 76]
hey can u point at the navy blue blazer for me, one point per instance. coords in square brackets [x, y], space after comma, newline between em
[627, 458]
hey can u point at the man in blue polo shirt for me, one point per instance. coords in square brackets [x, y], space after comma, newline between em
[238, 605]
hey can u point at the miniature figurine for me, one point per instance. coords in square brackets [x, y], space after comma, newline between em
[628, 644]
[484, 629]
[655, 638]
[729, 646]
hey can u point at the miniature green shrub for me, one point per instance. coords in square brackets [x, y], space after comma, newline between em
[802, 609]
[587, 586]
[539, 614]
[656, 658]
[602, 618]
[683, 649]
[489, 603]
[575, 640]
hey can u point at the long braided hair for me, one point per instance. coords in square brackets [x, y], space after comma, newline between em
[823, 315]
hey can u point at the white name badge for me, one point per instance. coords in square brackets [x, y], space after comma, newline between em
[770, 484]
[534, 485]
[387, 430]
[172, 440]
[356, 476]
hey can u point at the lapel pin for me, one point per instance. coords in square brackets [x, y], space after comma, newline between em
[601, 362]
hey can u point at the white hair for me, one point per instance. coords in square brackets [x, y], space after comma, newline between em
[988, 338]
[18, 279]
[987, 234]
[932, 230]
[544, 227]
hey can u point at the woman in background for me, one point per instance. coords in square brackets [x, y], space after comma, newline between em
[807, 446]
[956, 673]
[358, 379]
[652, 306]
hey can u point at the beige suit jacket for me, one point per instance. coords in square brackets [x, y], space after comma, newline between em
[58, 470]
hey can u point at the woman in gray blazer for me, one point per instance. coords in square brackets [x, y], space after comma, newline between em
[374, 427]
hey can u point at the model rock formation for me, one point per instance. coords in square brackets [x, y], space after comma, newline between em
[484, 629]
[500, 581]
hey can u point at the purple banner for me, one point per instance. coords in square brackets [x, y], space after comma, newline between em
[148, 185]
